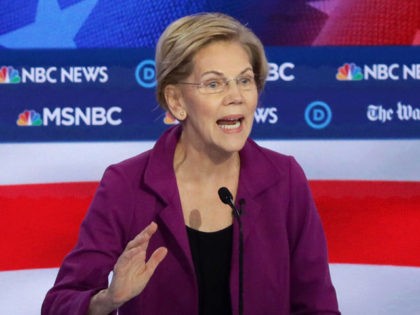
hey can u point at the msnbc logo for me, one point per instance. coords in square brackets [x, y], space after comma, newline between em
[8, 74]
[29, 118]
[71, 116]
[349, 72]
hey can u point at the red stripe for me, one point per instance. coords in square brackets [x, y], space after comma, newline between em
[370, 222]
[40, 222]
[367, 222]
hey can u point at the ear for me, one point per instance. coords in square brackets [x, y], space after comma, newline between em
[173, 97]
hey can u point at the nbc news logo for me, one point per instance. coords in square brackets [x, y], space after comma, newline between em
[9, 75]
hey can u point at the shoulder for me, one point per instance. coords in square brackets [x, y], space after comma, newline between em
[133, 164]
[274, 161]
[129, 170]
[152, 164]
[269, 153]
[265, 170]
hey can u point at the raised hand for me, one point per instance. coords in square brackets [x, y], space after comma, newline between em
[131, 273]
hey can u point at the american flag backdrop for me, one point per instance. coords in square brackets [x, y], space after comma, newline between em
[363, 163]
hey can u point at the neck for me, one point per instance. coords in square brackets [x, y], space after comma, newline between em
[204, 165]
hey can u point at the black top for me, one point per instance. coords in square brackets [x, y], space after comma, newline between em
[211, 253]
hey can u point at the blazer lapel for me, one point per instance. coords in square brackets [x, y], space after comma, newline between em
[160, 177]
[256, 176]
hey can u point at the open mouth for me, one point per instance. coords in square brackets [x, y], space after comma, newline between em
[229, 124]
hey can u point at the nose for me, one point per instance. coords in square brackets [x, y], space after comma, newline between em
[233, 92]
[233, 82]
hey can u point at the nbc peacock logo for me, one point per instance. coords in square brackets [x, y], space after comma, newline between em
[349, 72]
[9, 75]
[29, 118]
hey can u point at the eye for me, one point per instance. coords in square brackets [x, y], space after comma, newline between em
[245, 81]
[213, 84]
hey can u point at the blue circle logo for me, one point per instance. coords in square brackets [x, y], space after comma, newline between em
[318, 115]
[146, 74]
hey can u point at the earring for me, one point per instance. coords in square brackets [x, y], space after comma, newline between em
[182, 114]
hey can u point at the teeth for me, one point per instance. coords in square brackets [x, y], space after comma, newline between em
[230, 126]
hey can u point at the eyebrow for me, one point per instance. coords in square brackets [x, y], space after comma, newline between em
[222, 74]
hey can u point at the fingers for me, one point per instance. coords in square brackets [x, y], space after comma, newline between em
[135, 252]
[132, 257]
[142, 239]
[132, 272]
[154, 260]
[137, 248]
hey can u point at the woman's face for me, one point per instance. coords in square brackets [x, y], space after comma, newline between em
[219, 121]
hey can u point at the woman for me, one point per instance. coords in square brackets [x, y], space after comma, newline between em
[210, 71]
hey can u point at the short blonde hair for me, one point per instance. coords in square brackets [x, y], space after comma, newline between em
[182, 39]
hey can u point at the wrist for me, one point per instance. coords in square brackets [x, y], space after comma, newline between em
[102, 304]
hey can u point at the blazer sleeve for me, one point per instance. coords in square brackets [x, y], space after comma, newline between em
[102, 238]
[312, 291]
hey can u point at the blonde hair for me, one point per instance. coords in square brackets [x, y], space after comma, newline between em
[182, 39]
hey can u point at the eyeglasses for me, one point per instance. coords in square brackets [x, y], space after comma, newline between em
[219, 85]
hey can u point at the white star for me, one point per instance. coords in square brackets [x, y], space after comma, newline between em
[326, 6]
[53, 27]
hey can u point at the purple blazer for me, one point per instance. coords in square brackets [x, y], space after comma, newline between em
[285, 255]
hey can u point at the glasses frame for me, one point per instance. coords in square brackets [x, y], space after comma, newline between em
[223, 87]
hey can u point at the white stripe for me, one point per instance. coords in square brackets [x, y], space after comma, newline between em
[358, 159]
[321, 159]
[30, 285]
[361, 289]
[62, 162]
[377, 290]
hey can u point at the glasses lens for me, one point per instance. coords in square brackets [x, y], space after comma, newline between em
[219, 85]
[245, 82]
[212, 86]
